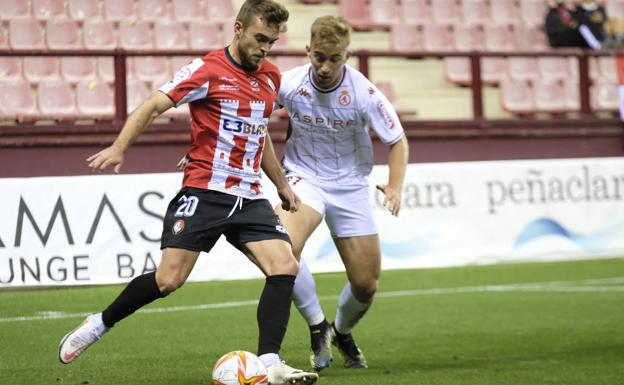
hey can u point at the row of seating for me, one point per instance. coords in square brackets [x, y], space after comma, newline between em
[555, 96]
[67, 34]
[370, 14]
[119, 10]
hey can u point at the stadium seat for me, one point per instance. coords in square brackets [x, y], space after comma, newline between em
[187, 10]
[445, 11]
[572, 95]
[4, 37]
[106, 69]
[467, 37]
[95, 100]
[415, 11]
[406, 37]
[357, 13]
[48, 9]
[219, 11]
[604, 96]
[148, 68]
[607, 69]
[56, 100]
[154, 10]
[533, 12]
[553, 68]
[522, 68]
[385, 13]
[25, 34]
[10, 68]
[41, 68]
[16, 100]
[81, 10]
[14, 9]
[63, 34]
[437, 37]
[285, 63]
[499, 37]
[517, 96]
[77, 68]
[503, 11]
[136, 92]
[119, 10]
[531, 39]
[550, 95]
[457, 70]
[177, 62]
[475, 12]
[170, 35]
[493, 69]
[99, 34]
[135, 35]
[205, 36]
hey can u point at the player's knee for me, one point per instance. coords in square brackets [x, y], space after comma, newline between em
[286, 265]
[364, 290]
[169, 284]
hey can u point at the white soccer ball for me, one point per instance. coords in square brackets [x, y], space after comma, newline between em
[239, 368]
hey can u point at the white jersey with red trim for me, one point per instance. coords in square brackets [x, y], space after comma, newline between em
[329, 139]
[230, 111]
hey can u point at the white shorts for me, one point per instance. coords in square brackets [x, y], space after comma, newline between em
[347, 209]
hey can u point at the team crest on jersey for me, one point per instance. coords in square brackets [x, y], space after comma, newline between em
[271, 84]
[344, 98]
[178, 227]
[255, 85]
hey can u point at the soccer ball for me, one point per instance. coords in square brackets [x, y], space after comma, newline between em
[239, 368]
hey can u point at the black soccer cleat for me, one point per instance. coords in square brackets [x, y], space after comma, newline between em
[320, 344]
[352, 355]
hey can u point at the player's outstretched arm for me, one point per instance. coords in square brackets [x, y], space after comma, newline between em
[136, 123]
[397, 163]
[273, 169]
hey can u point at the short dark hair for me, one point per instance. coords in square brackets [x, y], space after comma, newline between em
[272, 12]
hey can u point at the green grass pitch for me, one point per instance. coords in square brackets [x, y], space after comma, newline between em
[519, 324]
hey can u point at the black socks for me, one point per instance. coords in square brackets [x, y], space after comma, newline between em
[274, 312]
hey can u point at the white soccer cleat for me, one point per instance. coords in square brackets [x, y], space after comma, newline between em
[282, 374]
[79, 339]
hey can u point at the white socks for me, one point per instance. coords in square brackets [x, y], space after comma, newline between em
[350, 311]
[305, 297]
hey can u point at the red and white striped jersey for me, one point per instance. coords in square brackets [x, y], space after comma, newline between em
[230, 111]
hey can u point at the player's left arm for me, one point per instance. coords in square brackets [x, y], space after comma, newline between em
[397, 163]
[273, 169]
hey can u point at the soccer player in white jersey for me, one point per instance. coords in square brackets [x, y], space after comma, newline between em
[328, 157]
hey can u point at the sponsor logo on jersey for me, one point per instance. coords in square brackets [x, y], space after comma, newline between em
[389, 122]
[321, 120]
[255, 85]
[229, 80]
[303, 92]
[229, 87]
[178, 227]
[240, 127]
[344, 98]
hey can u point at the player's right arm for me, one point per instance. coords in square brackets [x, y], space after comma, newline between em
[136, 123]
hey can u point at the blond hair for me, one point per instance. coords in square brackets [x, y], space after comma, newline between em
[271, 12]
[331, 29]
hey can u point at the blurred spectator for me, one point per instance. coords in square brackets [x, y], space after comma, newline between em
[594, 16]
[562, 27]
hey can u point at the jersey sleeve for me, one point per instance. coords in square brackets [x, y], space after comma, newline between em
[190, 83]
[381, 116]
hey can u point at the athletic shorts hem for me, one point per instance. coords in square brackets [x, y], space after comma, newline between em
[348, 235]
[180, 246]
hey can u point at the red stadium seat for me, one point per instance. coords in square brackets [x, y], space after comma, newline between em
[475, 11]
[357, 13]
[445, 11]
[532, 12]
[137, 91]
[95, 100]
[205, 36]
[499, 37]
[56, 100]
[607, 69]
[77, 68]
[220, 11]
[99, 34]
[553, 68]
[522, 68]
[119, 10]
[531, 39]
[503, 11]
[170, 35]
[493, 69]
[81, 10]
[48, 9]
[437, 37]
[457, 70]
[10, 68]
[135, 35]
[14, 9]
[406, 37]
[16, 100]
[550, 95]
[41, 68]
[468, 37]
[572, 95]
[604, 96]
[154, 10]
[106, 69]
[148, 68]
[63, 34]
[187, 10]
[25, 34]
[517, 96]
[415, 11]
[385, 12]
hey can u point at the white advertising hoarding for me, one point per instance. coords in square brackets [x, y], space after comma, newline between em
[106, 228]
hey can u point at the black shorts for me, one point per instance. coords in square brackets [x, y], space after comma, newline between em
[196, 218]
